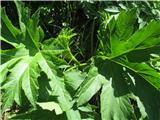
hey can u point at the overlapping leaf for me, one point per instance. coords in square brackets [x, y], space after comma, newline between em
[23, 73]
[90, 86]
[114, 107]
[123, 41]
[144, 38]
[115, 103]
[25, 61]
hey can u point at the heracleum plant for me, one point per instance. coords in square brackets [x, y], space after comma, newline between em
[45, 81]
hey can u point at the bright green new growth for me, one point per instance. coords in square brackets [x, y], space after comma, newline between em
[120, 71]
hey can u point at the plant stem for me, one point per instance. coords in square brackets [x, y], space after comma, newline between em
[72, 57]
[92, 35]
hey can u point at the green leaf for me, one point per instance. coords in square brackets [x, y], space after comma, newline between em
[27, 78]
[57, 85]
[13, 85]
[124, 27]
[51, 106]
[30, 71]
[61, 44]
[19, 52]
[30, 83]
[114, 107]
[124, 38]
[8, 31]
[4, 69]
[88, 113]
[139, 40]
[90, 86]
[23, 75]
[23, 14]
[25, 62]
[135, 42]
[39, 114]
[125, 54]
[146, 96]
[73, 79]
[29, 23]
[143, 70]
[114, 99]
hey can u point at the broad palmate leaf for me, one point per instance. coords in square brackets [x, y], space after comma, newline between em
[21, 65]
[120, 46]
[126, 69]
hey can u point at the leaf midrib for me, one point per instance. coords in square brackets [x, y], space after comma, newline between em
[134, 48]
[123, 65]
[135, 72]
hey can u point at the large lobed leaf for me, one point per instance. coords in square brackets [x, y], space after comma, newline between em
[144, 38]
[26, 60]
[125, 41]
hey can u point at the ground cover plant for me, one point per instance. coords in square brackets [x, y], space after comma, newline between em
[105, 66]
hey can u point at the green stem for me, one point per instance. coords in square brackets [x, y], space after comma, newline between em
[92, 35]
[83, 64]
[72, 57]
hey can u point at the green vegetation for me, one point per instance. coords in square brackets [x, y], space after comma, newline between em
[80, 60]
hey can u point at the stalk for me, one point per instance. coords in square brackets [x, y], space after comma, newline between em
[72, 57]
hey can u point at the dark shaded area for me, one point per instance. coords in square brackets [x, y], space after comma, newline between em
[84, 17]
[5, 45]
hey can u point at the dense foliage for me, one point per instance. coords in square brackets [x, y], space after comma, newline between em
[80, 61]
